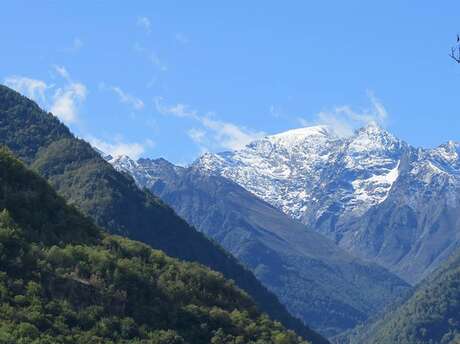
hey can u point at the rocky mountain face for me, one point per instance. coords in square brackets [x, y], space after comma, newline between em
[319, 282]
[373, 194]
[417, 226]
[311, 174]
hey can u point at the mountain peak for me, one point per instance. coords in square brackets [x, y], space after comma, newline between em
[372, 128]
[123, 160]
[452, 146]
[122, 157]
[299, 135]
[373, 137]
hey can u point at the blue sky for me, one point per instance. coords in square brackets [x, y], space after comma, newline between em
[177, 78]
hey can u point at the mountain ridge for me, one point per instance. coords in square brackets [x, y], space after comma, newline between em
[113, 200]
[63, 280]
[319, 282]
[340, 186]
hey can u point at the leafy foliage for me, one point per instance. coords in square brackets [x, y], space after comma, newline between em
[62, 280]
[429, 315]
[113, 200]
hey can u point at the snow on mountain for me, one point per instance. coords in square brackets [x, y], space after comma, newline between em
[145, 172]
[280, 169]
[367, 192]
[372, 193]
[308, 172]
[317, 280]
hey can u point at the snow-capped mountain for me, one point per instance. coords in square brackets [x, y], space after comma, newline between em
[313, 175]
[372, 193]
[318, 281]
[145, 172]
[333, 184]
[417, 226]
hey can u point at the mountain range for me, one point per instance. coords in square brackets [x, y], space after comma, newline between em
[336, 228]
[319, 282]
[114, 202]
[63, 280]
[373, 194]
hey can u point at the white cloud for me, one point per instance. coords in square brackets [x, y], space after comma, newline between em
[62, 101]
[343, 120]
[31, 88]
[144, 23]
[214, 134]
[132, 149]
[178, 110]
[228, 135]
[62, 72]
[181, 38]
[68, 98]
[126, 98]
[197, 135]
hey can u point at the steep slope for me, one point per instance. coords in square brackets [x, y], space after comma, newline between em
[313, 175]
[113, 200]
[319, 282]
[65, 281]
[430, 315]
[417, 226]
[373, 194]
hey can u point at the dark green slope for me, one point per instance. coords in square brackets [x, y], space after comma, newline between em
[430, 315]
[112, 199]
[62, 280]
[316, 280]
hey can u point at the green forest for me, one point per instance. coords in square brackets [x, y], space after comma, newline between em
[430, 315]
[114, 202]
[65, 281]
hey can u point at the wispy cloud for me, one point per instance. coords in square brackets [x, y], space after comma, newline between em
[124, 97]
[145, 24]
[62, 101]
[31, 88]
[178, 110]
[343, 120]
[156, 61]
[119, 147]
[66, 102]
[151, 56]
[228, 135]
[197, 135]
[214, 134]
[62, 72]
[68, 98]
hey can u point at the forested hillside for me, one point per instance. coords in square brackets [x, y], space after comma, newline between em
[430, 315]
[65, 281]
[113, 200]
